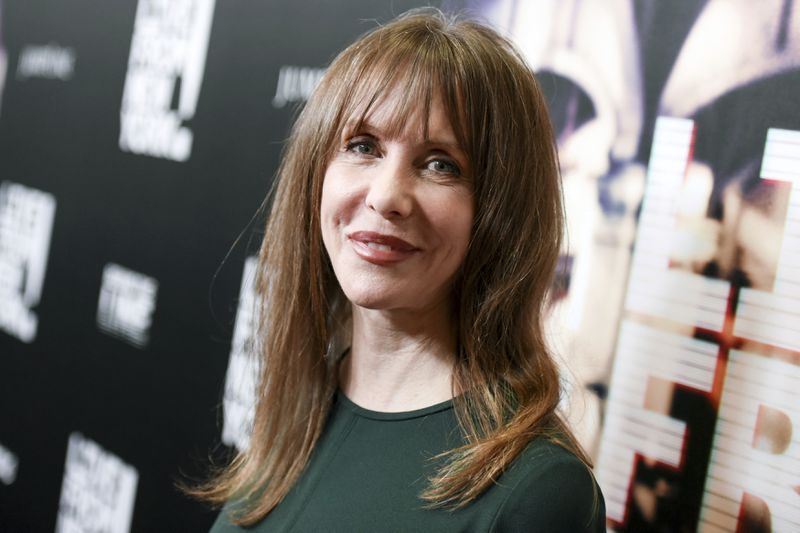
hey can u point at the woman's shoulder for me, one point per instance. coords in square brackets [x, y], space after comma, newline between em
[548, 488]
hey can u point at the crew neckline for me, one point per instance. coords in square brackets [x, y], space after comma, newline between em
[389, 416]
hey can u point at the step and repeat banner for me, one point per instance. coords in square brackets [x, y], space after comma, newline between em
[139, 138]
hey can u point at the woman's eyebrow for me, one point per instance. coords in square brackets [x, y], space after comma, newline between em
[444, 142]
[450, 145]
[358, 127]
[355, 126]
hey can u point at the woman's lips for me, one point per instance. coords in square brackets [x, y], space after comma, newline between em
[380, 249]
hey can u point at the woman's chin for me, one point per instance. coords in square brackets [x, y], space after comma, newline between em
[373, 302]
[376, 298]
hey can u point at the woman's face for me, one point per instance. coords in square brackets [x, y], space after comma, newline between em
[397, 211]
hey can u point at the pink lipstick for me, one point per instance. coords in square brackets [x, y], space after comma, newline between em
[380, 249]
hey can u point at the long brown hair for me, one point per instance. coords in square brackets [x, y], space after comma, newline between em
[506, 385]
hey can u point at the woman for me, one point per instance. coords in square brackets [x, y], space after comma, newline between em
[405, 381]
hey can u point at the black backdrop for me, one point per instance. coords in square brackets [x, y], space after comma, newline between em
[157, 407]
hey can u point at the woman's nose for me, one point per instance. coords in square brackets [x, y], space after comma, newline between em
[390, 190]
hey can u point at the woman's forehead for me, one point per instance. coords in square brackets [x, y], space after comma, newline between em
[395, 114]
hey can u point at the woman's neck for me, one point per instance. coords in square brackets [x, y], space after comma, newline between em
[399, 361]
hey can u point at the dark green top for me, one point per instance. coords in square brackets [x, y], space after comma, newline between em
[369, 467]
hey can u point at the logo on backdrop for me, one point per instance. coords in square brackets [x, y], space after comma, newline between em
[26, 222]
[46, 61]
[295, 84]
[126, 304]
[98, 491]
[165, 73]
[8, 465]
[240, 380]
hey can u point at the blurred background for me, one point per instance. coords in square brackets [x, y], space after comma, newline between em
[139, 138]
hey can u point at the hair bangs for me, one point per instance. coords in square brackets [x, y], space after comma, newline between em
[412, 71]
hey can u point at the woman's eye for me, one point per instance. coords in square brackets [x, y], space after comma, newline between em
[444, 166]
[361, 147]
